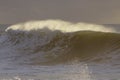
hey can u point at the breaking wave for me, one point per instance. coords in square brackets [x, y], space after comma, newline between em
[56, 41]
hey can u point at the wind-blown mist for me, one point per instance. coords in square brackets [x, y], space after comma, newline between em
[59, 25]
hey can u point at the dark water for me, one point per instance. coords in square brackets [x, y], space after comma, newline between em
[51, 52]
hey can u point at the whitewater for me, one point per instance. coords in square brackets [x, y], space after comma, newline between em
[59, 50]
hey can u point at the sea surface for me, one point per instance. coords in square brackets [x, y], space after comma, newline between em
[59, 50]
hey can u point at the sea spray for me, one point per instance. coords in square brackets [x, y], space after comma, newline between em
[58, 25]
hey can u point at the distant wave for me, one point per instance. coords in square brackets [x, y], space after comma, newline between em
[55, 41]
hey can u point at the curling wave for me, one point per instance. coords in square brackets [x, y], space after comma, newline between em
[55, 41]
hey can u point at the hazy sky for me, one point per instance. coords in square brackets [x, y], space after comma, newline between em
[92, 11]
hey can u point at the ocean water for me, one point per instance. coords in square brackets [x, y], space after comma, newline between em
[59, 50]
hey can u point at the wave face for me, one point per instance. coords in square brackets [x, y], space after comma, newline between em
[55, 41]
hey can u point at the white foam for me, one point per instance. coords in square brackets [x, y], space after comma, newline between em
[60, 25]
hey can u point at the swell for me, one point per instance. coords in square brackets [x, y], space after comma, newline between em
[40, 48]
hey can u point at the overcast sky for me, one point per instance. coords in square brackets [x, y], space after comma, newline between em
[92, 11]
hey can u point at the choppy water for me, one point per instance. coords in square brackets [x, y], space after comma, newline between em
[59, 50]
